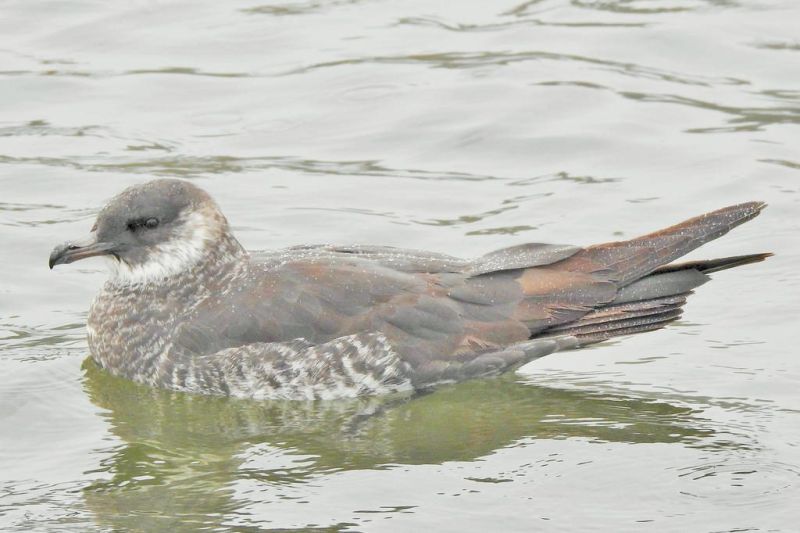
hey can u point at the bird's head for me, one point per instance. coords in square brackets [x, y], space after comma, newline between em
[152, 231]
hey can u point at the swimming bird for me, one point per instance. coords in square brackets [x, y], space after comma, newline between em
[187, 308]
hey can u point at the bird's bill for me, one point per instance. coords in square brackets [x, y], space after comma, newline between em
[75, 251]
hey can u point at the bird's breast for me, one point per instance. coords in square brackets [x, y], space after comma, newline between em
[129, 333]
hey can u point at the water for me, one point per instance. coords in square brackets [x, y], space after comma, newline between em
[458, 127]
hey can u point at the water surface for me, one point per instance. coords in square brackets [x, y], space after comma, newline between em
[458, 127]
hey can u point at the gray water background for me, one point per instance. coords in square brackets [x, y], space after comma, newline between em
[453, 126]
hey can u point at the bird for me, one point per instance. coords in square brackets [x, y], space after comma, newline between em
[187, 308]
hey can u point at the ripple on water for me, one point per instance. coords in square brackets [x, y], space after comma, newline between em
[40, 343]
[411, 123]
[756, 483]
[371, 92]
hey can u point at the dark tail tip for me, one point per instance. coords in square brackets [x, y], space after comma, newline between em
[759, 206]
[715, 265]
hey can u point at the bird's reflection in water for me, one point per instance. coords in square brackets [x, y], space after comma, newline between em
[181, 454]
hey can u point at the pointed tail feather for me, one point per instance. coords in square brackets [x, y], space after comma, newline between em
[710, 266]
[633, 259]
[649, 303]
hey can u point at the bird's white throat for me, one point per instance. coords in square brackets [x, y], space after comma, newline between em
[181, 253]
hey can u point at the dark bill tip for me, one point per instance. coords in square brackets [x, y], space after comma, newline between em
[69, 252]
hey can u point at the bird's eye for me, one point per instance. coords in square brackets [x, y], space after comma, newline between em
[149, 223]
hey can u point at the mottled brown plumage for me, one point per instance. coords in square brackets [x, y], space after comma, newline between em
[190, 310]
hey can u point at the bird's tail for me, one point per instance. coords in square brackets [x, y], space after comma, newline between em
[630, 260]
[651, 302]
[645, 305]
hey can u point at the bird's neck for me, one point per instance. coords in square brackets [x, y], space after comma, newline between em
[178, 259]
[128, 323]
